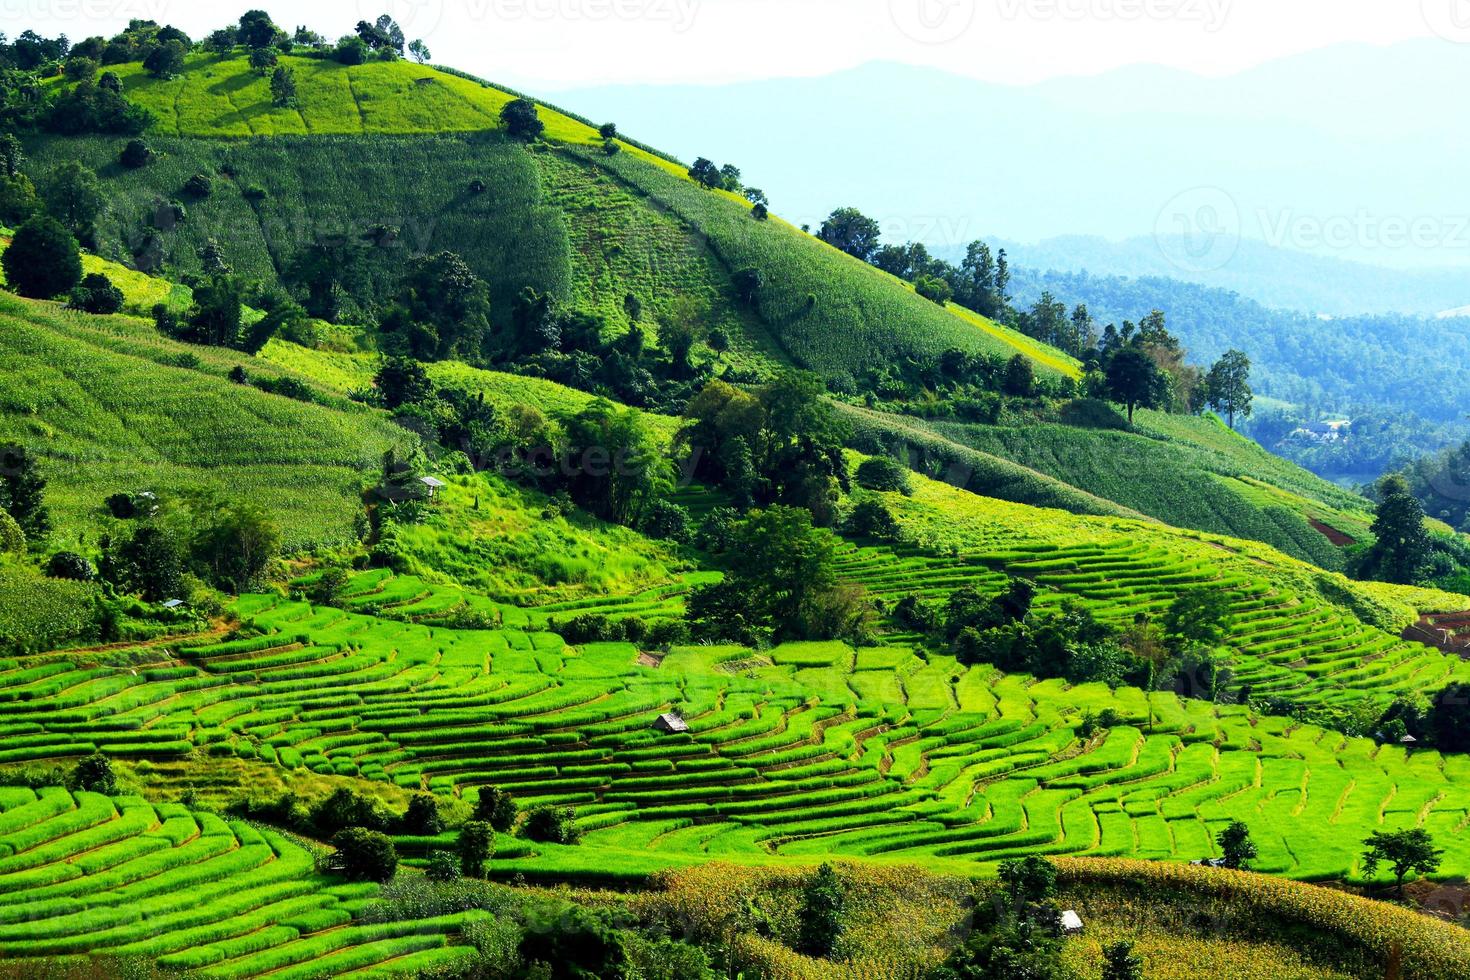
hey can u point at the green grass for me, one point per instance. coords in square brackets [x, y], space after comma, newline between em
[112, 407]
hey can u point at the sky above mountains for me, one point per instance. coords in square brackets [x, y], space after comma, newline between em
[546, 44]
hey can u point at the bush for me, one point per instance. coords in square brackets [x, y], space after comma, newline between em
[495, 807]
[12, 538]
[422, 819]
[476, 845]
[43, 259]
[365, 855]
[69, 565]
[885, 475]
[872, 519]
[94, 774]
[521, 121]
[199, 185]
[135, 153]
[344, 809]
[442, 866]
[666, 520]
[96, 294]
[552, 825]
[351, 51]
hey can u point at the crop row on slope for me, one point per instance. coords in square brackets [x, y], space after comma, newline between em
[113, 407]
[393, 198]
[1175, 480]
[104, 878]
[829, 311]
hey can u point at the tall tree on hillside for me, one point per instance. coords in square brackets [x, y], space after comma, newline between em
[74, 196]
[1402, 546]
[257, 30]
[43, 259]
[521, 121]
[1133, 380]
[1404, 851]
[852, 231]
[1227, 386]
[419, 50]
[22, 490]
[704, 171]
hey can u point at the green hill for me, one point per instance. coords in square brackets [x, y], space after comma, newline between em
[112, 407]
[819, 307]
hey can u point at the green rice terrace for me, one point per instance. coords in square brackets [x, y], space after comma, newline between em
[442, 536]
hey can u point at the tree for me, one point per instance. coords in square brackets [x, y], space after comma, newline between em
[1402, 546]
[94, 774]
[823, 902]
[884, 474]
[422, 819]
[1200, 618]
[283, 87]
[365, 855]
[262, 60]
[71, 566]
[1020, 377]
[1449, 718]
[96, 294]
[1236, 846]
[149, 562]
[476, 846]
[350, 51]
[74, 196]
[401, 381]
[166, 60]
[235, 543]
[1120, 963]
[851, 231]
[608, 131]
[1133, 380]
[1028, 881]
[420, 51]
[552, 825]
[383, 34]
[705, 172]
[135, 154]
[521, 121]
[1227, 386]
[257, 30]
[1405, 851]
[23, 490]
[730, 178]
[12, 538]
[442, 866]
[933, 288]
[495, 807]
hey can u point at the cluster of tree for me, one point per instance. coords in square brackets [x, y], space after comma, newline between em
[604, 458]
[1177, 653]
[727, 178]
[1404, 550]
[780, 583]
[1019, 933]
[779, 444]
[1441, 483]
[226, 544]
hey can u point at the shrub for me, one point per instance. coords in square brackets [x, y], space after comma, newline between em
[884, 474]
[327, 589]
[199, 185]
[365, 855]
[871, 518]
[68, 565]
[476, 845]
[823, 902]
[95, 775]
[442, 866]
[552, 825]
[422, 819]
[344, 809]
[351, 50]
[43, 259]
[666, 520]
[135, 153]
[521, 121]
[12, 538]
[96, 294]
[495, 807]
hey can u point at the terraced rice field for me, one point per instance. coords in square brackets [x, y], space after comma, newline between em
[88, 877]
[808, 749]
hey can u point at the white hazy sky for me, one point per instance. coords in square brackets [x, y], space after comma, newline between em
[550, 44]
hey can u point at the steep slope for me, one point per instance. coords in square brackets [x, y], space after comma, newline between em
[112, 407]
[819, 307]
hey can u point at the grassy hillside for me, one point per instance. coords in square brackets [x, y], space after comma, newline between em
[112, 407]
[820, 307]
[1188, 472]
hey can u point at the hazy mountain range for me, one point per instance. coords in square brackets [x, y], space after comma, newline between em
[1347, 153]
